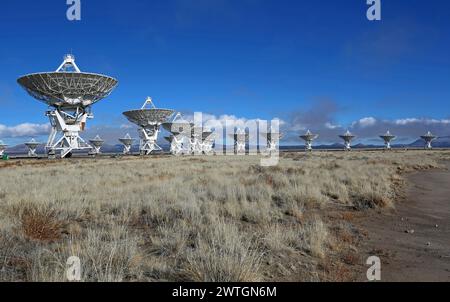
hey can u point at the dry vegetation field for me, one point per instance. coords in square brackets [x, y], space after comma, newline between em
[195, 218]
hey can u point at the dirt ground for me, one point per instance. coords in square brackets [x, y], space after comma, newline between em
[413, 241]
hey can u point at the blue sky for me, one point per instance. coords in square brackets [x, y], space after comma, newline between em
[313, 64]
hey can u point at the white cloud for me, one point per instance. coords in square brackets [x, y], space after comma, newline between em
[365, 122]
[406, 121]
[127, 126]
[329, 125]
[24, 130]
[425, 121]
[229, 120]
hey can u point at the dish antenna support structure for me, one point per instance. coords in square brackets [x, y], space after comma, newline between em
[32, 146]
[70, 94]
[127, 143]
[3, 147]
[309, 138]
[273, 141]
[388, 138]
[240, 139]
[348, 138]
[97, 144]
[429, 138]
[149, 119]
[176, 144]
[181, 138]
[209, 138]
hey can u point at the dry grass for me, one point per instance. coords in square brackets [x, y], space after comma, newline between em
[193, 219]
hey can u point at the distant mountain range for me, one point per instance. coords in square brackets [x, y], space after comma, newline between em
[442, 142]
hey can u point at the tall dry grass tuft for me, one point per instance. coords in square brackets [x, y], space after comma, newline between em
[223, 254]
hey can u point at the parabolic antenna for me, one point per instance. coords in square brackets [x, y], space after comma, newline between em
[207, 135]
[68, 87]
[127, 142]
[388, 138]
[97, 144]
[3, 147]
[272, 136]
[32, 146]
[177, 126]
[429, 138]
[149, 120]
[309, 138]
[146, 117]
[347, 137]
[71, 93]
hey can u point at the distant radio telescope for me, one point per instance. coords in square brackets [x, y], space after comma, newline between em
[348, 138]
[97, 144]
[32, 146]
[70, 93]
[3, 147]
[181, 131]
[428, 138]
[309, 138]
[127, 142]
[188, 138]
[240, 139]
[149, 121]
[273, 140]
[388, 138]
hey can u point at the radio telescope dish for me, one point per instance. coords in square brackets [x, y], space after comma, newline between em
[71, 93]
[309, 138]
[207, 134]
[388, 138]
[149, 120]
[429, 138]
[347, 137]
[177, 126]
[68, 89]
[127, 142]
[146, 117]
[97, 144]
[3, 147]
[32, 146]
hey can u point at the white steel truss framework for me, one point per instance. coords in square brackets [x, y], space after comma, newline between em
[70, 93]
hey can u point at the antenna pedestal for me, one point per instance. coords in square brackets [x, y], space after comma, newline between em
[65, 134]
[348, 146]
[308, 145]
[149, 136]
[176, 146]
[2, 148]
[272, 146]
[239, 147]
[95, 150]
[126, 149]
[207, 147]
[196, 146]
